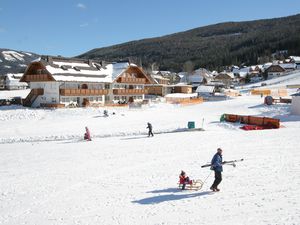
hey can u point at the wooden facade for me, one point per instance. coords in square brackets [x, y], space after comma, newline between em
[36, 72]
[129, 91]
[78, 82]
[133, 75]
[275, 70]
[82, 92]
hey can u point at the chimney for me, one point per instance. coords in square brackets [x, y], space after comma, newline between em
[49, 59]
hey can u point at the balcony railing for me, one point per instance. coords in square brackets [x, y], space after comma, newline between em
[37, 77]
[82, 92]
[132, 80]
[130, 91]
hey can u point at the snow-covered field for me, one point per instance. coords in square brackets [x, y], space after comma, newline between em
[48, 175]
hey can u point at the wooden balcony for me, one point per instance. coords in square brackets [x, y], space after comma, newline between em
[130, 91]
[37, 77]
[132, 80]
[83, 92]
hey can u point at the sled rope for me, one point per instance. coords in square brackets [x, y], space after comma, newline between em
[207, 177]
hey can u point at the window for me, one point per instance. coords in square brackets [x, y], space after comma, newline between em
[76, 68]
[53, 100]
[84, 86]
[99, 99]
[106, 86]
[64, 67]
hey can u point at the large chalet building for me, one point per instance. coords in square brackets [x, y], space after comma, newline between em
[59, 82]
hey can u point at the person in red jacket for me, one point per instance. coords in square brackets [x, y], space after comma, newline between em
[184, 179]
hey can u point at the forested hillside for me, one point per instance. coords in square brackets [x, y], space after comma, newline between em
[211, 46]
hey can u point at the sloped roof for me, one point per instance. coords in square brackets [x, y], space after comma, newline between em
[295, 58]
[76, 71]
[296, 94]
[72, 69]
[288, 65]
[205, 89]
[196, 76]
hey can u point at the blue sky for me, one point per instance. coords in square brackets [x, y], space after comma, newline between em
[69, 27]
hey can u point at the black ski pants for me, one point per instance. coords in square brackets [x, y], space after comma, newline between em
[218, 179]
[150, 133]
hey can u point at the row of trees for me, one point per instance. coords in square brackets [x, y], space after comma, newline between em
[212, 47]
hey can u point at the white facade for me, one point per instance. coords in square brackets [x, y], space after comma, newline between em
[52, 95]
[295, 108]
[59, 81]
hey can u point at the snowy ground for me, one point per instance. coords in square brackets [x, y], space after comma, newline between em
[48, 175]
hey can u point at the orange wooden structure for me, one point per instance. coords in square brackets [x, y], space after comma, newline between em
[265, 122]
[260, 92]
[185, 101]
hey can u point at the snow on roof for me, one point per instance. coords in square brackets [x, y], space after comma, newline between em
[229, 74]
[14, 80]
[243, 74]
[14, 75]
[87, 73]
[72, 64]
[288, 65]
[295, 58]
[181, 95]
[12, 56]
[159, 77]
[205, 89]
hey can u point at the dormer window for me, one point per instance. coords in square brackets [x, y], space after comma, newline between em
[76, 68]
[97, 66]
[64, 67]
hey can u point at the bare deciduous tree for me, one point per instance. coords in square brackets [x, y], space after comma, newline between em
[188, 67]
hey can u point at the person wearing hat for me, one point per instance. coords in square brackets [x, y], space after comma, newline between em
[216, 165]
[184, 179]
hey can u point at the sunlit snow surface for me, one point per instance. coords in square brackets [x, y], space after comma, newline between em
[49, 175]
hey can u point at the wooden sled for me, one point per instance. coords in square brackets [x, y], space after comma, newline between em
[192, 185]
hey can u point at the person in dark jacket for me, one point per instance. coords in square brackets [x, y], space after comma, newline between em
[216, 165]
[150, 129]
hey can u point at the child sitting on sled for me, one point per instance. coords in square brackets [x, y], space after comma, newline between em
[87, 135]
[184, 180]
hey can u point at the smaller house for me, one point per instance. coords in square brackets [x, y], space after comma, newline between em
[225, 77]
[196, 78]
[296, 60]
[288, 66]
[12, 82]
[275, 70]
[159, 79]
[163, 90]
[205, 90]
[295, 104]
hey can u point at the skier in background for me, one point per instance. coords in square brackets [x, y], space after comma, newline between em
[87, 135]
[216, 165]
[150, 129]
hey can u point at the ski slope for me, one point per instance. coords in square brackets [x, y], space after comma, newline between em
[48, 175]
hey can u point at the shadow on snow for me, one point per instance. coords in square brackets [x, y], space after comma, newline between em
[169, 197]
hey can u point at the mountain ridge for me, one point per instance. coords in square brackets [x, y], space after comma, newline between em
[211, 46]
